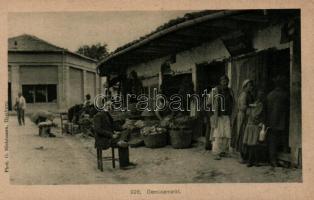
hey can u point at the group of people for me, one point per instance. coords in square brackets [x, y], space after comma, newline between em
[231, 127]
[256, 113]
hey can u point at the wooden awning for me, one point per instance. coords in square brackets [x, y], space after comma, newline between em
[186, 35]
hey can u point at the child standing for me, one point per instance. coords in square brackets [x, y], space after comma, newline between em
[256, 119]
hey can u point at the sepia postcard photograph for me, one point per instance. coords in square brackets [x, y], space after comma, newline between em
[162, 97]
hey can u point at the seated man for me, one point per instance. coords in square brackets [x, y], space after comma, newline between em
[105, 138]
[44, 120]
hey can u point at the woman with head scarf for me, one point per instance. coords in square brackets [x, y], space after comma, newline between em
[255, 122]
[244, 99]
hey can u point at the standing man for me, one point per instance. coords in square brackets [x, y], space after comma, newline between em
[20, 108]
[277, 118]
[223, 101]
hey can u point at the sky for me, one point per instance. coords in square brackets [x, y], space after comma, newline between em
[70, 30]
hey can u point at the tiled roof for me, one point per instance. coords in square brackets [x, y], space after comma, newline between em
[29, 43]
[170, 23]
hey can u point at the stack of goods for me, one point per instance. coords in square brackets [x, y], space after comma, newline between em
[86, 124]
[71, 128]
[42, 116]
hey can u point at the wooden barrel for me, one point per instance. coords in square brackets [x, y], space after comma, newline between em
[180, 138]
[155, 140]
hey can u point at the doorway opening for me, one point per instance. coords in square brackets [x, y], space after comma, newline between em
[207, 76]
[263, 67]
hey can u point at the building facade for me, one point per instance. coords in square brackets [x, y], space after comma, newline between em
[49, 77]
[258, 45]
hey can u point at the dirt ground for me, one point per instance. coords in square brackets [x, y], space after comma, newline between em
[70, 159]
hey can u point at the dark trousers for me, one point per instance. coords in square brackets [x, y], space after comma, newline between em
[20, 116]
[244, 152]
[273, 140]
[208, 144]
[253, 157]
[99, 159]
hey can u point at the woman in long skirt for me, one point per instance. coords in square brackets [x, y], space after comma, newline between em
[256, 119]
[244, 99]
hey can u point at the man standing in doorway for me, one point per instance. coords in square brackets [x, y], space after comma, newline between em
[277, 118]
[223, 101]
[20, 108]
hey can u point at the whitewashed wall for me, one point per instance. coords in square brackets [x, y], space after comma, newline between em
[262, 39]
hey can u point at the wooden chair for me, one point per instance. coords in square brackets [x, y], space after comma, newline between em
[100, 158]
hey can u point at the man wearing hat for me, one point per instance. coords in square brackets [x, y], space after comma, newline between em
[277, 118]
[105, 137]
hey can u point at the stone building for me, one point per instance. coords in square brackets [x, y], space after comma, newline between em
[50, 77]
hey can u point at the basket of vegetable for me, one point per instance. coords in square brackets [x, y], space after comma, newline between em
[154, 137]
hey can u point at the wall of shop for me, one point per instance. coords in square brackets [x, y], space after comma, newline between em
[73, 76]
[38, 74]
[80, 63]
[75, 94]
[33, 75]
[265, 38]
[269, 37]
[185, 60]
[33, 58]
[90, 86]
[51, 107]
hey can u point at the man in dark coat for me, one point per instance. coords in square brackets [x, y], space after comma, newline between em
[105, 138]
[103, 127]
[277, 117]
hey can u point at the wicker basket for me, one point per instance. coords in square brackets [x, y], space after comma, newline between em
[156, 140]
[180, 138]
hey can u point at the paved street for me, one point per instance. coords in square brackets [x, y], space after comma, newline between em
[71, 160]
